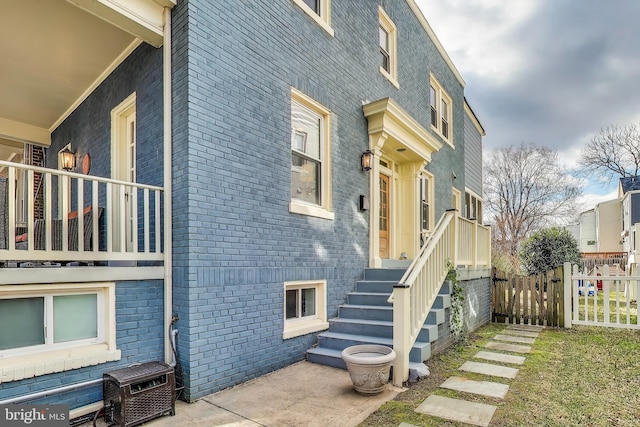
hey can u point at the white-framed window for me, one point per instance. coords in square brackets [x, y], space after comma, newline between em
[53, 328]
[441, 111]
[319, 11]
[426, 202]
[305, 308]
[388, 45]
[473, 206]
[310, 157]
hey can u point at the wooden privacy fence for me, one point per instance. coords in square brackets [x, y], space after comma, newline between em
[534, 300]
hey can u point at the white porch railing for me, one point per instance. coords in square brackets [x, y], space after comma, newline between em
[474, 248]
[456, 241]
[601, 300]
[116, 220]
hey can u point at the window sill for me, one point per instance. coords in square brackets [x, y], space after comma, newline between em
[311, 210]
[304, 327]
[16, 368]
[318, 20]
[447, 140]
[389, 77]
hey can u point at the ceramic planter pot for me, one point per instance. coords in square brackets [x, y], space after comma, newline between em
[369, 366]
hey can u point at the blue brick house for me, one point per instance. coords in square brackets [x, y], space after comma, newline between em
[240, 167]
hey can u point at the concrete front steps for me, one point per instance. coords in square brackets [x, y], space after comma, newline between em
[367, 318]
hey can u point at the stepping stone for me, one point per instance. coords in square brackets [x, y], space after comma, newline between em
[407, 425]
[500, 357]
[515, 348]
[529, 328]
[478, 414]
[489, 369]
[519, 333]
[510, 338]
[484, 388]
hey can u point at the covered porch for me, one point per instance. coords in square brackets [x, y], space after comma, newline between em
[95, 212]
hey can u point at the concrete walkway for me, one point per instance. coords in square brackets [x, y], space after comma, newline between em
[303, 394]
[511, 340]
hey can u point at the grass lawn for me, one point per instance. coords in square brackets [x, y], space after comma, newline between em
[584, 376]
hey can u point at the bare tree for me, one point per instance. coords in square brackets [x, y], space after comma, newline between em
[612, 153]
[525, 190]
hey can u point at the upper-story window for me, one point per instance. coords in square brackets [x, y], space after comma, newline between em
[310, 157]
[319, 11]
[441, 111]
[387, 41]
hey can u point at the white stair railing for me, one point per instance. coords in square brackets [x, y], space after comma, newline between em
[455, 241]
[416, 292]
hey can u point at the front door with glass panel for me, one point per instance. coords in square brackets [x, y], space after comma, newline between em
[385, 201]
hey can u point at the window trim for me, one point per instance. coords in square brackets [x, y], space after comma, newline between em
[472, 198]
[323, 210]
[324, 19]
[385, 22]
[28, 362]
[430, 187]
[306, 325]
[441, 97]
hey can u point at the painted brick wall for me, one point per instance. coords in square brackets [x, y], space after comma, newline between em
[476, 311]
[235, 242]
[139, 336]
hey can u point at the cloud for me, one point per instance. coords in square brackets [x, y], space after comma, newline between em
[545, 71]
[548, 72]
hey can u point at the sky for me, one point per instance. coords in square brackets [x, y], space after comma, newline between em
[549, 72]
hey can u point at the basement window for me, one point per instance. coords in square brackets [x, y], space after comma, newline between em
[305, 308]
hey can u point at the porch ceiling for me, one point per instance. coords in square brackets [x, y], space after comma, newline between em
[54, 53]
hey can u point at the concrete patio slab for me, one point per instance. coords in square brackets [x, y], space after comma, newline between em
[500, 357]
[515, 348]
[483, 388]
[489, 369]
[303, 394]
[511, 338]
[519, 333]
[478, 414]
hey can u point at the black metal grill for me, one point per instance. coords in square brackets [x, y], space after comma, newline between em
[139, 393]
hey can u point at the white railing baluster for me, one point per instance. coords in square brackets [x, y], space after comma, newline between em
[95, 214]
[48, 206]
[157, 218]
[146, 219]
[110, 217]
[80, 210]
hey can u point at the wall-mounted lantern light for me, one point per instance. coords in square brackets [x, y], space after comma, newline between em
[68, 159]
[366, 160]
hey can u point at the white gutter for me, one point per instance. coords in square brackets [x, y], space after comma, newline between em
[168, 240]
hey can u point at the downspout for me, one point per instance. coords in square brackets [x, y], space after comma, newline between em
[168, 240]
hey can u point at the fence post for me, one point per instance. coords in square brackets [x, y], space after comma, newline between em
[567, 294]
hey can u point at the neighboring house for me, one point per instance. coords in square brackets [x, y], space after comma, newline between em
[222, 183]
[588, 234]
[608, 225]
[629, 193]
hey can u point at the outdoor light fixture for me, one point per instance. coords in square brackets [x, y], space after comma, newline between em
[68, 159]
[366, 160]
